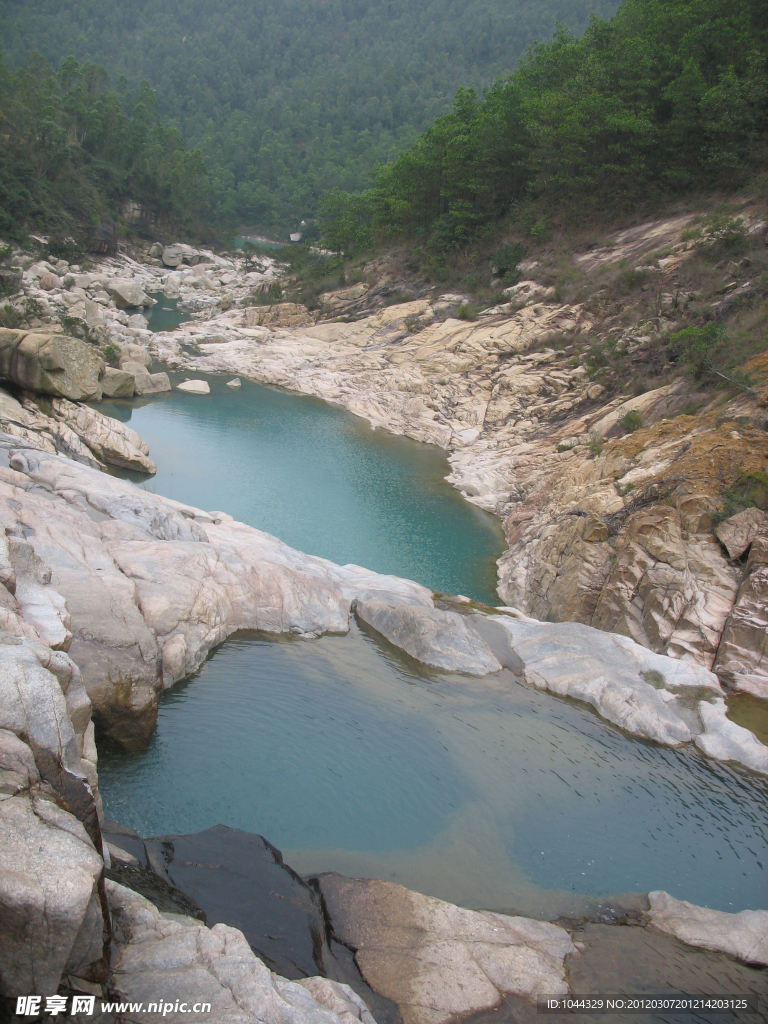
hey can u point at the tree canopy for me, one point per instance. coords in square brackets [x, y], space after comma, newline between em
[289, 98]
[665, 97]
[74, 149]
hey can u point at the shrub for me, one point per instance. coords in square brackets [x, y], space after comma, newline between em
[10, 317]
[631, 421]
[466, 312]
[111, 354]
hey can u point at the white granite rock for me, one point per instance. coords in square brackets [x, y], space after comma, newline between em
[441, 639]
[625, 683]
[162, 955]
[743, 935]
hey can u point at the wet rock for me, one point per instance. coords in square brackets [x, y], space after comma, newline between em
[194, 387]
[743, 935]
[155, 955]
[434, 637]
[438, 961]
[51, 364]
[240, 879]
[611, 673]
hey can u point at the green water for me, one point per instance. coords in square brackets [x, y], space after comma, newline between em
[352, 758]
[321, 480]
[165, 314]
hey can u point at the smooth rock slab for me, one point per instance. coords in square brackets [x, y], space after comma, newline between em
[240, 879]
[743, 935]
[438, 961]
[194, 387]
[724, 740]
[158, 955]
[607, 671]
[434, 637]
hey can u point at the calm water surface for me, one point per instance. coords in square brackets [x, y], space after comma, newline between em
[350, 757]
[320, 479]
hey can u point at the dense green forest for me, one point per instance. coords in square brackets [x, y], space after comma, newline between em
[665, 98]
[289, 98]
[73, 149]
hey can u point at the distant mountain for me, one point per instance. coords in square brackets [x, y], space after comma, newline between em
[288, 98]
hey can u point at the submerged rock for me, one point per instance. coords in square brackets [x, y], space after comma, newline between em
[743, 935]
[240, 879]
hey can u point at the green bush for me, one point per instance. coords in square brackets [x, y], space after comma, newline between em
[631, 421]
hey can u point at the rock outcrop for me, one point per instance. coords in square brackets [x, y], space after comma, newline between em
[51, 364]
[158, 954]
[52, 913]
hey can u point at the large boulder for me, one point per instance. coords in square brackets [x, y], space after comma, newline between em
[51, 364]
[127, 294]
[146, 383]
[117, 383]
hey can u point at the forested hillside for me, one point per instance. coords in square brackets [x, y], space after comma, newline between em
[288, 98]
[73, 150]
[663, 99]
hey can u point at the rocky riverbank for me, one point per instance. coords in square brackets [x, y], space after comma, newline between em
[110, 594]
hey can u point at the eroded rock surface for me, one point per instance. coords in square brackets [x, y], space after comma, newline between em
[438, 961]
[438, 638]
[51, 914]
[158, 954]
[743, 935]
